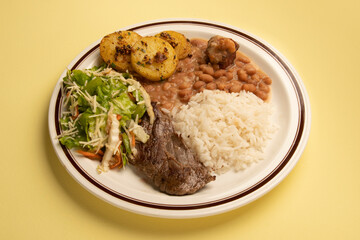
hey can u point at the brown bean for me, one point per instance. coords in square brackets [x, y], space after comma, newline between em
[239, 64]
[242, 58]
[201, 89]
[207, 69]
[222, 79]
[185, 85]
[267, 80]
[255, 77]
[250, 69]
[177, 80]
[253, 81]
[261, 74]
[249, 87]
[263, 87]
[198, 84]
[234, 82]
[185, 92]
[206, 78]
[167, 105]
[235, 88]
[216, 67]
[229, 75]
[191, 75]
[228, 86]
[242, 75]
[219, 73]
[220, 85]
[166, 86]
[261, 94]
[198, 73]
[186, 98]
[211, 86]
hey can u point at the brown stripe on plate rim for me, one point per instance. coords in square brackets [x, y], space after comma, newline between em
[217, 202]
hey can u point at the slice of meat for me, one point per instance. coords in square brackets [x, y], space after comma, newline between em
[221, 51]
[166, 162]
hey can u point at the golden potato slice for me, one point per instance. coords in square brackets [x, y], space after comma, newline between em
[153, 58]
[115, 49]
[178, 41]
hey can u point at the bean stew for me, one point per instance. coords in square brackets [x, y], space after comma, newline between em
[196, 73]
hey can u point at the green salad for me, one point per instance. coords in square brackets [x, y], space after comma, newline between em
[101, 112]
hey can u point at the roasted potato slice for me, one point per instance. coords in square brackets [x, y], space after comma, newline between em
[115, 49]
[178, 41]
[153, 58]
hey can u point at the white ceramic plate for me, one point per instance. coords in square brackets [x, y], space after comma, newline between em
[126, 190]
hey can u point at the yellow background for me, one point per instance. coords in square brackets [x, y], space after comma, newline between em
[318, 200]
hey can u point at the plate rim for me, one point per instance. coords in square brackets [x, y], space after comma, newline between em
[281, 170]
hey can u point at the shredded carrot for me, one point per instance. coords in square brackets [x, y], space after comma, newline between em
[132, 139]
[76, 113]
[90, 155]
[117, 158]
[118, 162]
[100, 152]
[118, 117]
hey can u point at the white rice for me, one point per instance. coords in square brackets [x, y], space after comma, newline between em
[226, 130]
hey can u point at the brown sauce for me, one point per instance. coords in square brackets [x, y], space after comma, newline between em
[193, 75]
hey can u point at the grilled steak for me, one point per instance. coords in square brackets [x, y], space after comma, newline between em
[166, 162]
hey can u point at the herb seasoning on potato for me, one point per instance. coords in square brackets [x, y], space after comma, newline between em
[178, 41]
[153, 58]
[115, 49]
